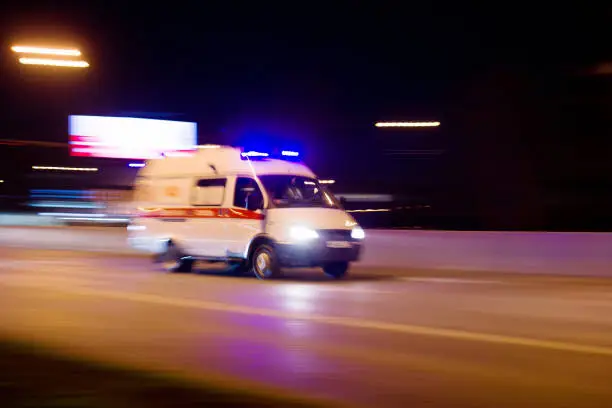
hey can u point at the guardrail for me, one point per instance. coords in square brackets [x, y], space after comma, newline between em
[557, 253]
[583, 254]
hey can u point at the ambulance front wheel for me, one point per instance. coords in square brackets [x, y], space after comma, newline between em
[265, 263]
[238, 268]
[174, 260]
[336, 270]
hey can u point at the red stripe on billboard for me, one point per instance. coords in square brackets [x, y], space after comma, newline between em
[230, 213]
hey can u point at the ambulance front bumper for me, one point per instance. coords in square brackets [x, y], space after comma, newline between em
[318, 253]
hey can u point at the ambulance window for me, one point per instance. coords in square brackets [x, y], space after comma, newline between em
[247, 194]
[209, 192]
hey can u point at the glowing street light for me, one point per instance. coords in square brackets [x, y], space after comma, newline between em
[406, 124]
[47, 51]
[58, 168]
[54, 62]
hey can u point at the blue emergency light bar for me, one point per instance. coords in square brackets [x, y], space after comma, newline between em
[283, 155]
[254, 154]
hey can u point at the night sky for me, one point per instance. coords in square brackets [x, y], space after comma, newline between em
[508, 81]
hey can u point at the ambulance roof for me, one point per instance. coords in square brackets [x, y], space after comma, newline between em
[225, 160]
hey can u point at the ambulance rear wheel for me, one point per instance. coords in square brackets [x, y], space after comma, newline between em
[265, 263]
[174, 260]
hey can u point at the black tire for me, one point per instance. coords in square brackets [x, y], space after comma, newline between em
[336, 270]
[174, 260]
[264, 263]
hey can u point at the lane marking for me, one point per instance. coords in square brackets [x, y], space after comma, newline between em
[349, 289]
[455, 280]
[84, 268]
[329, 320]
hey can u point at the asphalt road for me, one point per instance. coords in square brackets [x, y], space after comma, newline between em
[386, 337]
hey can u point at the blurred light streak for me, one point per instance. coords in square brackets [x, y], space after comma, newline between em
[79, 192]
[60, 204]
[327, 181]
[1, 181]
[406, 124]
[44, 50]
[370, 210]
[69, 196]
[64, 214]
[83, 194]
[289, 153]
[64, 168]
[94, 219]
[209, 146]
[367, 197]
[136, 164]
[54, 62]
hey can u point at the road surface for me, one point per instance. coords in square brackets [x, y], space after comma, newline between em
[386, 337]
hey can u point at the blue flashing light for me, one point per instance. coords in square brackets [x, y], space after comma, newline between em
[288, 155]
[254, 154]
[136, 164]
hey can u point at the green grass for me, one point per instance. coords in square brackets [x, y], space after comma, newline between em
[30, 377]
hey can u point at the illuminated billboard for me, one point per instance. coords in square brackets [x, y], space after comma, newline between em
[129, 138]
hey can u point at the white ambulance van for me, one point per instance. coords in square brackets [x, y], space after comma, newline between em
[253, 211]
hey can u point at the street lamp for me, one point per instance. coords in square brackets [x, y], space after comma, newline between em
[55, 62]
[406, 124]
[47, 51]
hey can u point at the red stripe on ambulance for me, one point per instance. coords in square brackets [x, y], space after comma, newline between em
[231, 213]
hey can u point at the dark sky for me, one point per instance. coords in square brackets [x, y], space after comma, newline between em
[320, 73]
[314, 62]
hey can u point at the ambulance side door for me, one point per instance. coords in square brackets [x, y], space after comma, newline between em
[245, 218]
[206, 228]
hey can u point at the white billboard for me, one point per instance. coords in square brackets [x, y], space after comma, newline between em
[129, 138]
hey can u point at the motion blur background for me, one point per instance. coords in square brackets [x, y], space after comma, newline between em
[524, 98]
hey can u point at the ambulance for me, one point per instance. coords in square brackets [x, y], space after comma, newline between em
[259, 212]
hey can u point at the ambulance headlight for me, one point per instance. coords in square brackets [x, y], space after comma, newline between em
[299, 233]
[357, 233]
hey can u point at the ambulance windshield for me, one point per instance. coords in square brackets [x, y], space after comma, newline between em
[297, 191]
